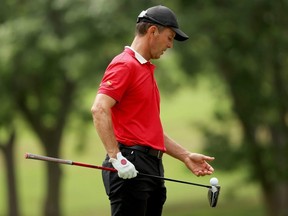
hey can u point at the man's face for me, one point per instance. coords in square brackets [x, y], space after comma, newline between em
[161, 42]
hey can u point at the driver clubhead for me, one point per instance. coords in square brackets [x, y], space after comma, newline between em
[213, 194]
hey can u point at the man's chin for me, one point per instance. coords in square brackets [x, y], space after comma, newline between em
[157, 57]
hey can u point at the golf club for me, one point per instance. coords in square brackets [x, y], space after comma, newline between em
[213, 194]
[213, 191]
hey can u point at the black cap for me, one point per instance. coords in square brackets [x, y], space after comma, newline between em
[162, 15]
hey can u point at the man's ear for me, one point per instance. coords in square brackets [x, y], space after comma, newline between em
[153, 30]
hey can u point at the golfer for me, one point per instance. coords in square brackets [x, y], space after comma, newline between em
[126, 115]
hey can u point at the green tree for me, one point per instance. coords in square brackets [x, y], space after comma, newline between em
[51, 51]
[7, 128]
[246, 43]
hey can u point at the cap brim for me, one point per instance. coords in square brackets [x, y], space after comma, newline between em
[180, 35]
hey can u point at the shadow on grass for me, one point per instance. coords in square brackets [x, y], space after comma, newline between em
[235, 208]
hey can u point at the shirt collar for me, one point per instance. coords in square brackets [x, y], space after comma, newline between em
[139, 57]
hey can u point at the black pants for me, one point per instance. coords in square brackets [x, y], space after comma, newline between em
[140, 196]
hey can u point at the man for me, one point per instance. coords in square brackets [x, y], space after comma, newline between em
[126, 114]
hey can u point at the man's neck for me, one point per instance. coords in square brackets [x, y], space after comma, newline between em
[140, 45]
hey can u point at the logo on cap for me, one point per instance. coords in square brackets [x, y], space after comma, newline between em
[142, 14]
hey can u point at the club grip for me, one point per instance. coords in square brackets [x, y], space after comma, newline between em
[45, 158]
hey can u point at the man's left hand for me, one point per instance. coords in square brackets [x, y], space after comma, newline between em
[198, 164]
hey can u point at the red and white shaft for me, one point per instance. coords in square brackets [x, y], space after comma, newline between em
[69, 162]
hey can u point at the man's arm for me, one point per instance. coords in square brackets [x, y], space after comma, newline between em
[197, 163]
[101, 112]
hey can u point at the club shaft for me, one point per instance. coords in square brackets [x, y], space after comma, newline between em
[70, 162]
[45, 158]
[94, 166]
[174, 180]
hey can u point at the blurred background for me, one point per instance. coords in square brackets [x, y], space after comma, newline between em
[224, 93]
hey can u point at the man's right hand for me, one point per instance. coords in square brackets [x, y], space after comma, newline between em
[125, 168]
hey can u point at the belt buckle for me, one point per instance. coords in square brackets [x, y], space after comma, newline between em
[159, 154]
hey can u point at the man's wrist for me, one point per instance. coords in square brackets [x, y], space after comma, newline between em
[113, 154]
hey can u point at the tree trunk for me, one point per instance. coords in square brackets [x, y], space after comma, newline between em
[276, 200]
[7, 149]
[53, 193]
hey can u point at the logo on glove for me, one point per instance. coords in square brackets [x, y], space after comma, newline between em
[123, 162]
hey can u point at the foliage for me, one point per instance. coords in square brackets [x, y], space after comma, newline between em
[247, 43]
[53, 52]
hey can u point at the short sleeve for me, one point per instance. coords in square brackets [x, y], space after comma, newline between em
[116, 80]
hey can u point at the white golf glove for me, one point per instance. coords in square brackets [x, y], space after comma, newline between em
[125, 168]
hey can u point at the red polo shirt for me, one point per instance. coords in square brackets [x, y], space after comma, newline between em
[129, 79]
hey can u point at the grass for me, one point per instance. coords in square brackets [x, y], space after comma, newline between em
[226, 209]
[83, 192]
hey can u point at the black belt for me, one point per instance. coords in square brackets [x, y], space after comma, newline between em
[147, 150]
